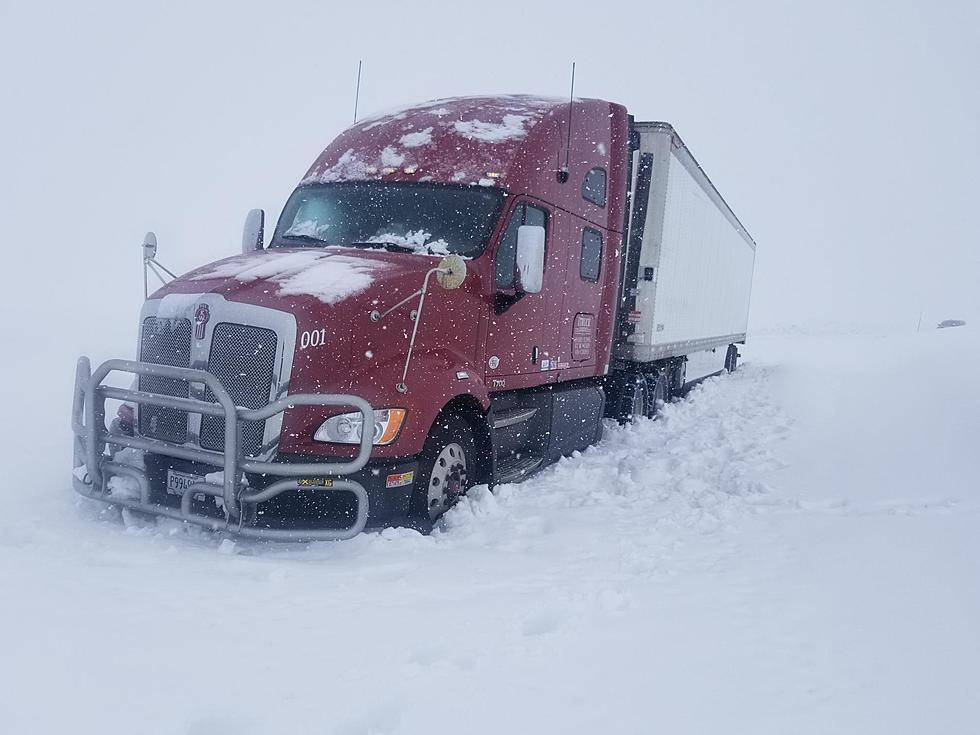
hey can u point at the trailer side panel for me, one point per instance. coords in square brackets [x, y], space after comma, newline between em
[695, 271]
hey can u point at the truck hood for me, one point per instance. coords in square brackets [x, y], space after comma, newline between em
[328, 291]
[326, 297]
[281, 277]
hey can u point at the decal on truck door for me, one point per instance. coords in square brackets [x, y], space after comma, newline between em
[583, 337]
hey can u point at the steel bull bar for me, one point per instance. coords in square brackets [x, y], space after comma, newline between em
[91, 438]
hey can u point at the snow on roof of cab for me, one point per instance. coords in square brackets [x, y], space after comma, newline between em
[455, 140]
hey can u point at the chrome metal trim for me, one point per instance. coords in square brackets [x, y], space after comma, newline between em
[91, 438]
[183, 306]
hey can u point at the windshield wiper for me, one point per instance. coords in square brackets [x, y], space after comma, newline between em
[303, 238]
[393, 247]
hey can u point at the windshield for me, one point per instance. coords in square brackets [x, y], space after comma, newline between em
[422, 218]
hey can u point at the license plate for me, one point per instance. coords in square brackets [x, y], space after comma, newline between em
[178, 482]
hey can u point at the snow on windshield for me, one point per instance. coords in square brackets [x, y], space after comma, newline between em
[305, 228]
[326, 276]
[418, 240]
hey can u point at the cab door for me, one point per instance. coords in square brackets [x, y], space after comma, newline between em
[523, 332]
[583, 295]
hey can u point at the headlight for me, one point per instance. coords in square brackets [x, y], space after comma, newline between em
[346, 428]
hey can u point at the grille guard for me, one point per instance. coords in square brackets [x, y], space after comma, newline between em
[91, 438]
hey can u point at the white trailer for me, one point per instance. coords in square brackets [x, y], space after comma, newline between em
[688, 268]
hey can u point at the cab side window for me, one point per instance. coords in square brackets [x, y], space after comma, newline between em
[594, 187]
[591, 262]
[506, 265]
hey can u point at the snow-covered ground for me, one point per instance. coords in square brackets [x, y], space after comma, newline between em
[792, 549]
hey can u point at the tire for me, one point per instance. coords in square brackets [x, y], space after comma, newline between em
[634, 400]
[659, 393]
[731, 359]
[447, 468]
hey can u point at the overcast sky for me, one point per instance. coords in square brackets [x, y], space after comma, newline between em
[844, 135]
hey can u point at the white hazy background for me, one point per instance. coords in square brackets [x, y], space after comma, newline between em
[843, 134]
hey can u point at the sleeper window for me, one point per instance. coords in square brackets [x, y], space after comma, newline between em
[594, 187]
[591, 262]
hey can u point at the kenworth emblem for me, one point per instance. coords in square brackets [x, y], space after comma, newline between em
[201, 317]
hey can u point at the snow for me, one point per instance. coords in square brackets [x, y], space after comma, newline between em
[416, 139]
[304, 228]
[510, 128]
[124, 487]
[793, 548]
[392, 158]
[325, 275]
[419, 240]
[347, 168]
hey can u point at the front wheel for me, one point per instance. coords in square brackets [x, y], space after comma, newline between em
[446, 466]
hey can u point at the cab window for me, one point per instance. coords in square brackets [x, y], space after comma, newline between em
[506, 264]
[594, 187]
[591, 262]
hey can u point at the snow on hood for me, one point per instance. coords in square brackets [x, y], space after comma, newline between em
[327, 276]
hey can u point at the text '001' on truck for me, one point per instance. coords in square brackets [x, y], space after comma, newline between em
[456, 293]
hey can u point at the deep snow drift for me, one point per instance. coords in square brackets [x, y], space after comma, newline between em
[793, 548]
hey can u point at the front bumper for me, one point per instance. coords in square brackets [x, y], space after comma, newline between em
[236, 501]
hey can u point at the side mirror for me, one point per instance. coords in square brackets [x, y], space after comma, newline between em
[149, 247]
[452, 272]
[530, 257]
[253, 234]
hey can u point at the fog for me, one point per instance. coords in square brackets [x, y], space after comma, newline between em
[842, 134]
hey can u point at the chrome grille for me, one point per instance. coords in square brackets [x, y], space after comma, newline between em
[164, 342]
[243, 360]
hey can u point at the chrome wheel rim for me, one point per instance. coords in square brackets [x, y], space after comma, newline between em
[447, 480]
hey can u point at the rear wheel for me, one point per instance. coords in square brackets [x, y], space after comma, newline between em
[634, 399]
[659, 393]
[446, 466]
[731, 359]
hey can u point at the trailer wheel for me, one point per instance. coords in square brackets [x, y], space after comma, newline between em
[731, 359]
[446, 467]
[634, 399]
[659, 392]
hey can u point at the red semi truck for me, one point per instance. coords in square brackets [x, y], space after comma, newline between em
[477, 281]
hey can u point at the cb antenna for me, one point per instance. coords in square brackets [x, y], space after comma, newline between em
[563, 171]
[357, 89]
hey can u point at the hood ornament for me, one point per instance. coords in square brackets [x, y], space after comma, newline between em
[201, 318]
